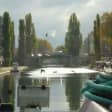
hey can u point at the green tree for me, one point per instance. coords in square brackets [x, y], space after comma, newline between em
[97, 37]
[22, 41]
[60, 48]
[106, 33]
[44, 46]
[34, 41]
[73, 36]
[106, 24]
[36, 45]
[7, 39]
[12, 41]
[28, 33]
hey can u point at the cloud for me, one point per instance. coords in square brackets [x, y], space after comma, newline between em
[90, 3]
[53, 16]
[61, 3]
[53, 33]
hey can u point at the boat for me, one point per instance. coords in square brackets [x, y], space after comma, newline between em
[91, 106]
[98, 94]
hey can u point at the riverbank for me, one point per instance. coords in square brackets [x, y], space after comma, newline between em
[4, 70]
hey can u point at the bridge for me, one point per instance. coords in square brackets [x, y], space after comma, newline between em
[49, 60]
[59, 59]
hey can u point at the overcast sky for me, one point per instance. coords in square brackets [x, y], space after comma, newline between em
[51, 16]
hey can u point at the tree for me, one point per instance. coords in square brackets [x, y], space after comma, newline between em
[106, 24]
[34, 41]
[22, 39]
[60, 48]
[73, 36]
[36, 45]
[44, 46]
[8, 37]
[106, 33]
[97, 37]
[12, 41]
[28, 33]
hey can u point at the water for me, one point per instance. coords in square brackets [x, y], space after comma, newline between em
[64, 92]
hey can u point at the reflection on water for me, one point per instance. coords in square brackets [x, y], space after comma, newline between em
[7, 89]
[25, 81]
[73, 86]
[64, 93]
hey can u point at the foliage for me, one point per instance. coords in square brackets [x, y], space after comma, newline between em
[28, 42]
[106, 28]
[12, 40]
[97, 37]
[60, 48]
[73, 36]
[21, 49]
[30, 34]
[103, 35]
[27, 38]
[107, 24]
[44, 46]
[28, 24]
[8, 38]
[36, 45]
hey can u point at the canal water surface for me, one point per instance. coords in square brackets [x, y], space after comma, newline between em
[64, 92]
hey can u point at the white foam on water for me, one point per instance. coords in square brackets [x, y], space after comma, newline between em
[52, 72]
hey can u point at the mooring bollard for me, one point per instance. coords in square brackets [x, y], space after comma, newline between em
[16, 75]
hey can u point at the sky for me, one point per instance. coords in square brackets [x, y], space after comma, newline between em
[52, 16]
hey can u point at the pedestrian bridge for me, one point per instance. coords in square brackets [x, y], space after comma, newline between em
[51, 60]
[56, 60]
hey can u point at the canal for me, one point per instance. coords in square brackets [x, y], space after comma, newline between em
[63, 92]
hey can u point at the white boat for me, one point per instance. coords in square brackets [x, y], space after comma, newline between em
[91, 106]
